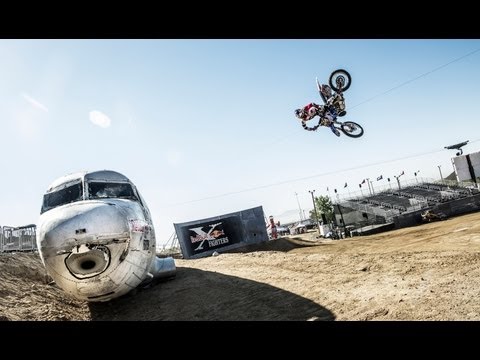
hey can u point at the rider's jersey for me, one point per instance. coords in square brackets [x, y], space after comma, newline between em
[310, 111]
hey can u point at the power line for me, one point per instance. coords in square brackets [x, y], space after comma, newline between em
[310, 177]
[416, 78]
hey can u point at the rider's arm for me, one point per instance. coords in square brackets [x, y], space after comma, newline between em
[304, 125]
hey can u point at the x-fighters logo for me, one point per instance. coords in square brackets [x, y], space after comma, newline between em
[214, 236]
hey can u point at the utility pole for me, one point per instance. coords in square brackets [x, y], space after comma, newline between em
[439, 169]
[299, 208]
[369, 189]
[341, 216]
[398, 181]
[315, 209]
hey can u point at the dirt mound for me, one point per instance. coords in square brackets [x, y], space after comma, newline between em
[27, 292]
[26, 265]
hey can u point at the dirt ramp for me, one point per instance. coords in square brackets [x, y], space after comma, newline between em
[27, 293]
[24, 265]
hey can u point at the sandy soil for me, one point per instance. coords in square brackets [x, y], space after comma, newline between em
[427, 272]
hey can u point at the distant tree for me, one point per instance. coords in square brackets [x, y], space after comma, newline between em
[324, 206]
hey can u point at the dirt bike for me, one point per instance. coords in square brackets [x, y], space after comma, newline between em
[340, 80]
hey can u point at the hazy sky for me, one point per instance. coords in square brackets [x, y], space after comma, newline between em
[206, 127]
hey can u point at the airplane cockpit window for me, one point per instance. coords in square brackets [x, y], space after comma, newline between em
[100, 190]
[61, 197]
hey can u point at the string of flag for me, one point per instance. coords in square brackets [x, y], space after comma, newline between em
[380, 177]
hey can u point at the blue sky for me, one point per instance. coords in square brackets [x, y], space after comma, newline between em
[206, 127]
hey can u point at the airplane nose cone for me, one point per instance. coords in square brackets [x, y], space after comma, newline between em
[90, 262]
[79, 221]
[78, 231]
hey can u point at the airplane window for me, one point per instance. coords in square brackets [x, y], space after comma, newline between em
[99, 190]
[61, 197]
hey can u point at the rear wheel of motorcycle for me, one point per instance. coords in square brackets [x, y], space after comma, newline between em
[340, 80]
[352, 129]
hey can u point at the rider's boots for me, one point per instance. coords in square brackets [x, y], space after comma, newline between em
[334, 129]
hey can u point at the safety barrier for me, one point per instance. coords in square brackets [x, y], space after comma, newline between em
[21, 238]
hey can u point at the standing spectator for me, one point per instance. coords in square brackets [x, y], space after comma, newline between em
[272, 227]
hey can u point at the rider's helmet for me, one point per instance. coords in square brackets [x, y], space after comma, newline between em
[326, 91]
[299, 113]
[312, 111]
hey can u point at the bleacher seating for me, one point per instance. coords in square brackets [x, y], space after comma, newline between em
[410, 198]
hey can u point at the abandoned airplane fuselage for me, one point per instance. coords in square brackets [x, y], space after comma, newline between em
[96, 238]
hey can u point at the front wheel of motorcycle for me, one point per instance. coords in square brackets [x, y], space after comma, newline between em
[340, 80]
[352, 129]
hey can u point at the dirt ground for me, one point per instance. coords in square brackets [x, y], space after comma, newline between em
[427, 272]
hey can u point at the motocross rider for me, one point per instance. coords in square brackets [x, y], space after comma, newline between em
[332, 102]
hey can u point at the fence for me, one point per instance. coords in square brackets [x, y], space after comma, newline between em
[22, 238]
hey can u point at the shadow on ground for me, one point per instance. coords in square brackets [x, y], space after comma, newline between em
[203, 295]
[284, 244]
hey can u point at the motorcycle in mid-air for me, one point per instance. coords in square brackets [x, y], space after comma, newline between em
[340, 80]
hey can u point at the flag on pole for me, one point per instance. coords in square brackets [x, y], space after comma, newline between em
[345, 185]
[363, 182]
[380, 178]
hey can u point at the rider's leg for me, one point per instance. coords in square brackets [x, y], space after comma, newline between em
[334, 129]
[327, 120]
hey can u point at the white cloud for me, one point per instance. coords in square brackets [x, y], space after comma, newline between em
[34, 103]
[100, 119]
